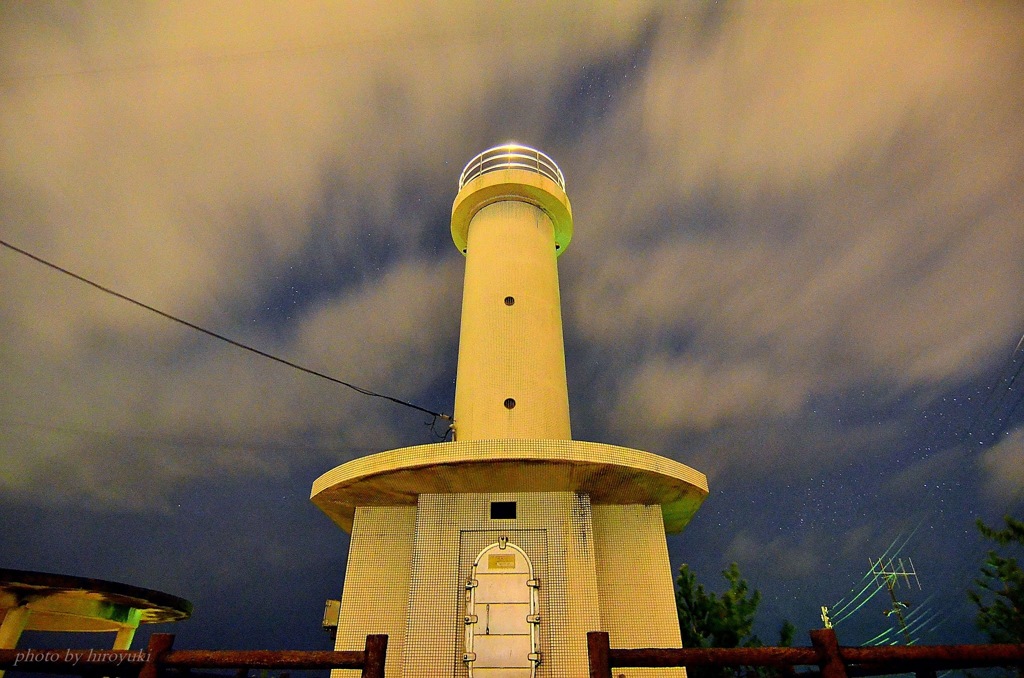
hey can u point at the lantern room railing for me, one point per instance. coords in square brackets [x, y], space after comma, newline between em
[511, 156]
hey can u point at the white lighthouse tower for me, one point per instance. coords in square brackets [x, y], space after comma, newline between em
[493, 555]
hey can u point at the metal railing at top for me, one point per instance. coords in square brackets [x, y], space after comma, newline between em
[511, 156]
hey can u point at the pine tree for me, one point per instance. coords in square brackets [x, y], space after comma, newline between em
[709, 620]
[1001, 600]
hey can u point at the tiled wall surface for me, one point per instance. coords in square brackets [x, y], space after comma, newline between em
[511, 349]
[553, 528]
[600, 568]
[375, 598]
[634, 582]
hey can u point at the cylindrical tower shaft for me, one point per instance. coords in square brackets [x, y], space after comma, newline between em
[511, 219]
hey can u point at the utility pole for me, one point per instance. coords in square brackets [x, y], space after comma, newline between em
[889, 573]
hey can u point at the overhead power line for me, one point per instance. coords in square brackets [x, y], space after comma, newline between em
[984, 413]
[215, 335]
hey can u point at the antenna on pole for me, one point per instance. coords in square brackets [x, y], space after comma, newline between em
[889, 573]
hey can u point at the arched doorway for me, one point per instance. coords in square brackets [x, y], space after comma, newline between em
[501, 614]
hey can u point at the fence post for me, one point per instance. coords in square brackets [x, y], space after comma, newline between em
[598, 647]
[159, 644]
[374, 656]
[827, 645]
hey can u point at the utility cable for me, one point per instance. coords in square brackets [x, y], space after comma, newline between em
[238, 344]
[983, 414]
[1007, 418]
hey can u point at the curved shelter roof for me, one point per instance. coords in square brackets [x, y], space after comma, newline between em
[60, 602]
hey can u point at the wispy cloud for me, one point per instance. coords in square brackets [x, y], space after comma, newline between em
[763, 223]
[1003, 467]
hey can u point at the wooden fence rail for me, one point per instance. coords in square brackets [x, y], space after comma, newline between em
[825, 653]
[833, 661]
[158, 655]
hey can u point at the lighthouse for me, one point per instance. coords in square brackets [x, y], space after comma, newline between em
[493, 555]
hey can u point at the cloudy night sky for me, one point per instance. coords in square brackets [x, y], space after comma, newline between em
[798, 267]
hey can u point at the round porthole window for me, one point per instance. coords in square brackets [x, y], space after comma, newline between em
[509, 301]
[510, 403]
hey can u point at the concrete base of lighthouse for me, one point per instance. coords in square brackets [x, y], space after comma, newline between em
[594, 535]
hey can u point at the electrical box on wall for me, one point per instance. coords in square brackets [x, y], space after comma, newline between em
[332, 613]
